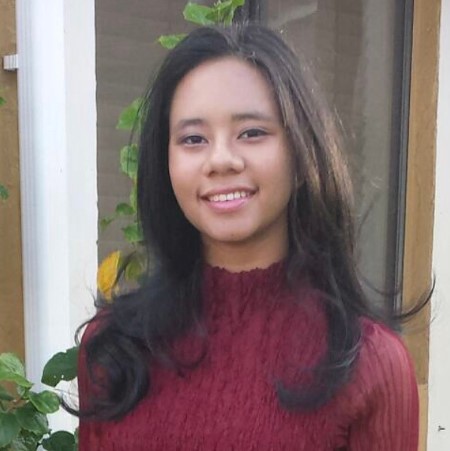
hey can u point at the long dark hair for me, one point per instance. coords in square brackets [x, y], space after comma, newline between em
[138, 328]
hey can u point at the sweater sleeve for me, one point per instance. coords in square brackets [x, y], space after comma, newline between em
[389, 417]
[89, 431]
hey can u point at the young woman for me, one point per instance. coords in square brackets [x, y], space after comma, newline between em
[252, 331]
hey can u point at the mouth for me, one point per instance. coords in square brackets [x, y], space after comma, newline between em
[228, 200]
[229, 196]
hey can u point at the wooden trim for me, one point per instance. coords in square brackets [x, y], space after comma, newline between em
[417, 259]
[11, 297]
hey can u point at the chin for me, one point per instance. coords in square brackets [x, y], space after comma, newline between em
[230, 237]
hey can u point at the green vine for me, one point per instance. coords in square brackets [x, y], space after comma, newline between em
[133, 265]
[23, 412]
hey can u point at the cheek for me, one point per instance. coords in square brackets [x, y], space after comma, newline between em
[176, 175]
[182, 181]
[281, 172]
[284, 190]
[175, 168]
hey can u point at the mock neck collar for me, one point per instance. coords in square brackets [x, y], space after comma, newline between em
[239, 294]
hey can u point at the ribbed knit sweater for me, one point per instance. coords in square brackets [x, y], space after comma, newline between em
[259, 334]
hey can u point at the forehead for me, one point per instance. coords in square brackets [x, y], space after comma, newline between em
[227, 85]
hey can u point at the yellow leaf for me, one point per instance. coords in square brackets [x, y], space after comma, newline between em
[107, 274]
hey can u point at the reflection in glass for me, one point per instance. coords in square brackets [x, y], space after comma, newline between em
[355, 49]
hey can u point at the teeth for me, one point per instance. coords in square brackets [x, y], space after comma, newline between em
[229, 196]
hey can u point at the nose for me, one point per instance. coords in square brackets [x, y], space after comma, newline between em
[223, 158]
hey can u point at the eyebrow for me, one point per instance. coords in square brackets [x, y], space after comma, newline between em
[237, 117]
[252, 115]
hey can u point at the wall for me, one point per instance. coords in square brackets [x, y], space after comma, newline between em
[439, 378]
[11, 304]
[127, 54]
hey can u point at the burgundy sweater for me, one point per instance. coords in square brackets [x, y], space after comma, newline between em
[258, 335]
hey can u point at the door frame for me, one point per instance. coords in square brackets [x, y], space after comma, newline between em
[420, 190]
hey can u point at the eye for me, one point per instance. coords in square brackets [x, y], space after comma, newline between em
[253, 133]
[193, 140]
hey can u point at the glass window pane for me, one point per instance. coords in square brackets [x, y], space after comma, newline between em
[356, 50]
[126, 53]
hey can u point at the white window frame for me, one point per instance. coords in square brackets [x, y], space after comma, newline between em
[57, 126]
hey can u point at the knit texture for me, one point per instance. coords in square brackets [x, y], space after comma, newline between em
[257, 335]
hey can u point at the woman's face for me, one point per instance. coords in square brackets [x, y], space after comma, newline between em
[229, 162]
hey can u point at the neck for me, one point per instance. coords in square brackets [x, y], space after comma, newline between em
[236, 257]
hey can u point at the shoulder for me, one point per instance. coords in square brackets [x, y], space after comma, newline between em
[95, 326]
[384, 364]
[91, 334]
[86, 370]
[383, 347]
[381, 408]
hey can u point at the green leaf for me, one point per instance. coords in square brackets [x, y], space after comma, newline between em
[129, 160]
[105, 222]
[133, 197]
[170, 41]
[12, 370]
[11, 377]
[135, 267]
[228, 13]
[26, 441]
[31, 419]
[4, 193]
[130, 115]
[5, 395]
[59, 441]
[12, 363]
[197, 14]
[124, 209]
[2, 101]
[133, 233]
[9, 428]
[221, 5]
[62, 366]
[23, 391]
[46, 401]
[223, 12]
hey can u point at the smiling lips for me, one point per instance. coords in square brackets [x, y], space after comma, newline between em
[229, 196]
[228, 201]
